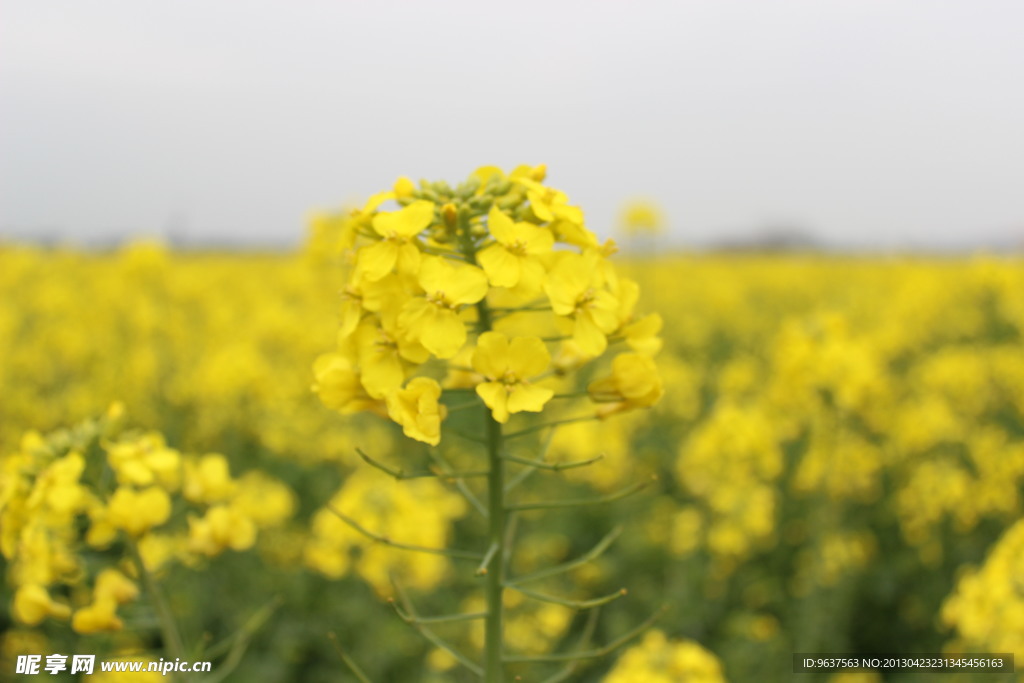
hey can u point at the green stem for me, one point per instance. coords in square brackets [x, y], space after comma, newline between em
[168, 626]
[546, 425]
[496, 539]
[496, 536]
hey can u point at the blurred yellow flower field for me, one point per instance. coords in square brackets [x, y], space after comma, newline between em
[838, 452]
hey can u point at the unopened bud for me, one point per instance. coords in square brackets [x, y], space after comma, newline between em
[468, 188]
[404, 188]
[450, 213]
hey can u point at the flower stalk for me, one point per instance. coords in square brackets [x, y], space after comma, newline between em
[168, 625]
[494, 590]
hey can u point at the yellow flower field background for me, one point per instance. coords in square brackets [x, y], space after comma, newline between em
[836, 465]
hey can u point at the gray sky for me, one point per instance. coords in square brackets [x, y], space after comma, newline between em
[868, 123]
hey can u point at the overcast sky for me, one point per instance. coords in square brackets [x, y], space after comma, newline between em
[866, 123]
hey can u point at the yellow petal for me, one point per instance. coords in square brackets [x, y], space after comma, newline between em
[404, 187]
[567, 280]
[408, 258]
[588, 336]
[540, 207]
[412, 351]
[491, 356]
[570, 214]
[32, 604]
[604, 310]
[500, 225]
[636, 375]
[531, 274]
[382, 373]
[628, 293]
[571, 233]
[495, 397]
[529, 397]
[538, 240]
[113, 584]
[501, 267]
[485, 173]
[444, 334]
[97, 618]
[642, 335]
[351, 312]
[406, 222]
[468, 285]
[376, 200]
[528, 357]
[377, 260]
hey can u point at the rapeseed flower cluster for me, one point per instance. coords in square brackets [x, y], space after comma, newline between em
[447, 291]
[660, 660]
[98, 491]
[985, 609]
[388, 507]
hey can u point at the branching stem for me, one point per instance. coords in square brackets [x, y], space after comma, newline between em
[596, 652]
[580, 502]
[588, 556]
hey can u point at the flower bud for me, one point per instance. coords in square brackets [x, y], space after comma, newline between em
[450, 214]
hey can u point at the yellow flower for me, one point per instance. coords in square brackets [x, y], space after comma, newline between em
[157, 550]
[208, 479]
[416, 408]
[339, 387]
[138, 511]
[433, 319]
[549, 204]
[112, 584]
[507, 367]
[419, 511]
[99, 617]
[574, 233]
[642, 335]
[32, 604]
[513, 259]
[404, 188]
[634, 383]
[223, 527]
[642, 216]
[658, 659]
[265, 500]
[101, 532]
[574, 289]
[383, 350]
[145, 460]
[362, 295]
[57, 488]
[536, 173]
[398, 228]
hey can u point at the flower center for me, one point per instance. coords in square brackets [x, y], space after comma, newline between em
[510, 380]
[437, 298]
[384, 342]
[585, 299]
[518, 248]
